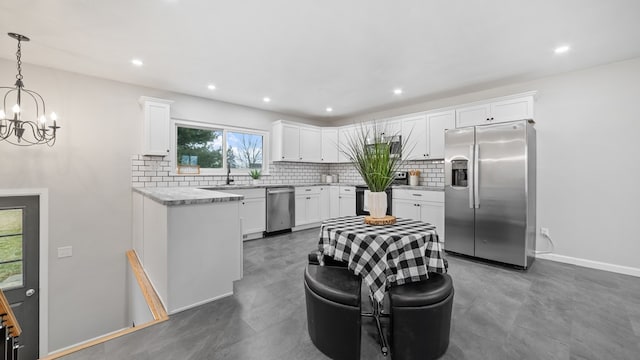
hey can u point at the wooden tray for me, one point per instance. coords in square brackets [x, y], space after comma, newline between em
[387, 220]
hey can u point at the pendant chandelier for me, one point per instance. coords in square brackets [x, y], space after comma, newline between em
[25, 123]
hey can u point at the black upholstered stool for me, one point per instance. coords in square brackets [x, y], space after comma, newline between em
[328, 261]
[333, 310]
[421, 318]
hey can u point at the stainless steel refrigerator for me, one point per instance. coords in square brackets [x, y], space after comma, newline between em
[490, 192]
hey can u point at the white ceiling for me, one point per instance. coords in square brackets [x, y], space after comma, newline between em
[309, 54]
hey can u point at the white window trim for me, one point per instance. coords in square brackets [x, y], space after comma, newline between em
[175, 123]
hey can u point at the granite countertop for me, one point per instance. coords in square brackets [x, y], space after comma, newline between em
[191, 195]
[419, 187]
[186, 196]
[259, 186]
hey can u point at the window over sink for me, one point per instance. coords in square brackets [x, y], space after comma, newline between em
[215, 148]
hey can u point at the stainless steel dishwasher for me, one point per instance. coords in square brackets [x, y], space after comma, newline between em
[281, 209]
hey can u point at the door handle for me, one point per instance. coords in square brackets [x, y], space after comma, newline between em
[476, 185]
[30, 292]
[470, 178]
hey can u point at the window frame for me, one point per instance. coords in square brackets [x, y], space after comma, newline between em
[175, 123]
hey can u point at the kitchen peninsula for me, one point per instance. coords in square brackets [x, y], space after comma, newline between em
[189, 242]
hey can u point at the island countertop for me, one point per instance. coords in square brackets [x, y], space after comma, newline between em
[185, 195]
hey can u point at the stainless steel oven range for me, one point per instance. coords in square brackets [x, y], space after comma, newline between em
[400, 178]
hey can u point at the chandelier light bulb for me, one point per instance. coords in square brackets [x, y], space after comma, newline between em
[43, 120]
[54, 116]
[16, 109]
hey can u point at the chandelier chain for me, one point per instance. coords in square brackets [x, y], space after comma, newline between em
[18, 56]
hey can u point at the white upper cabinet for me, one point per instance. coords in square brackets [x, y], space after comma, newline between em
[512, 109]
[392, 128]
[330, 145]
[310, 144]
[414, 135]
[157, 126]
[508, 109]
[345, 134]
[473, 115]
[437, 123]
[296, 143]
[425, 134]
[290, 143]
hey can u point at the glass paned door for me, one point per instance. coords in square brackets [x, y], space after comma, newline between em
[11, 235]
[19, 265]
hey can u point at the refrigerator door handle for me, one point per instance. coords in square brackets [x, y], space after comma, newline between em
[472, 171]
[476, 184]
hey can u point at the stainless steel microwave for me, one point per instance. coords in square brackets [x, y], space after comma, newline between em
[395, 144]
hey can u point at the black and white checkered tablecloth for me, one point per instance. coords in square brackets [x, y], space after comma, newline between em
[383, 255]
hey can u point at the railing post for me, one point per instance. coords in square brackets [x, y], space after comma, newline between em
[3, 336]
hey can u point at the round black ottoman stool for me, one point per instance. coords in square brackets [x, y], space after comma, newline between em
[421, 318]
[332, 295]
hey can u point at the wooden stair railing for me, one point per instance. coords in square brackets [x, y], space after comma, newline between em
[9, 331]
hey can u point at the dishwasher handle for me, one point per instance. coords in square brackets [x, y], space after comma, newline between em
[279, 191]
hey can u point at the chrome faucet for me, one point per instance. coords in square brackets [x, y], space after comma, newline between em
[229, 180]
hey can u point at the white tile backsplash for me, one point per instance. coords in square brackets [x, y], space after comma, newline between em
[154, 171]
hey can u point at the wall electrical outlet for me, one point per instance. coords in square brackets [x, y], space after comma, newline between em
[544, 231]
[65, 251]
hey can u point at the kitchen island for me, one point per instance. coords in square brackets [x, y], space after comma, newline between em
[189, 242]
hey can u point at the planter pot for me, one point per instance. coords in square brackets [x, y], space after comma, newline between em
[255, 181]
[378, 204]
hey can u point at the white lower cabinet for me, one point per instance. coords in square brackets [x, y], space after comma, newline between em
[407, 209]
[347, 201]
[252, 211]
[426, 206]
[325, 203]
[191, 253]
[307, 205]
[334, 201]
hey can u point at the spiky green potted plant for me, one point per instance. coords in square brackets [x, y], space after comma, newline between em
[255, 175]
[370, 153]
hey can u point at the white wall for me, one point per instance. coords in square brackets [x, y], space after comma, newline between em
[588, 128]
[88, 174]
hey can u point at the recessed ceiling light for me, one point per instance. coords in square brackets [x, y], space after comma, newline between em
[137, 62]
[562, 49]
[211, 87]
[329, 109]
[266, 99]
[397, 91]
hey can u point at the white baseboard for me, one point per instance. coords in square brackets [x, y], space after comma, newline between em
[627, 270]
[85, 341]
[200, 303]
[306, 226]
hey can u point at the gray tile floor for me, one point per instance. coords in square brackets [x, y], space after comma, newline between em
[551, 311]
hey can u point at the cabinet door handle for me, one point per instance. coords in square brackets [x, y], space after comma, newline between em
[487, 119]
[167, 150]
[416, 194]
[307, 189]
[491, 119]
